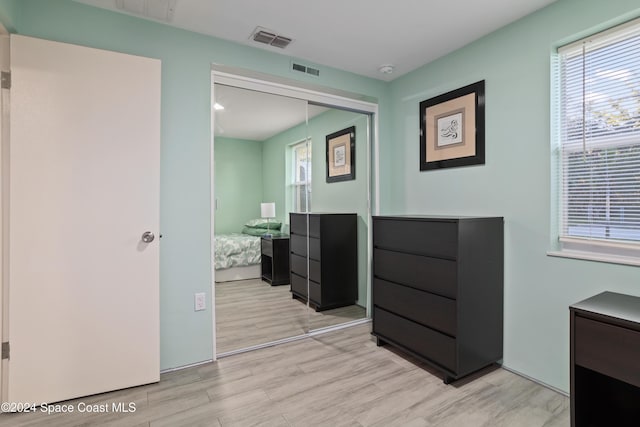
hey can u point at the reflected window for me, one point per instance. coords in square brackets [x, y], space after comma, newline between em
[301, 184]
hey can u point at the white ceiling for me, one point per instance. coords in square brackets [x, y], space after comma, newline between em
[258, 116]
[353, 35]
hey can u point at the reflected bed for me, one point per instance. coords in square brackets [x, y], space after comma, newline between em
[237, 257]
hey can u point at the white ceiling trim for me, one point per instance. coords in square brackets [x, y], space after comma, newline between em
[297, 92]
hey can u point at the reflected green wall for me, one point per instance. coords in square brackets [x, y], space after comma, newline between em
[345, 196]
[238, 183]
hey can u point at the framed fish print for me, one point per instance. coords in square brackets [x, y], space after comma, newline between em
[452, 128]
[341, 155]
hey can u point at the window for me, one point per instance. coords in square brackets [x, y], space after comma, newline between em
[599, 138]
[301, 177]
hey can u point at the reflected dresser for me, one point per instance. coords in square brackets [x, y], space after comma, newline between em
[332, 261]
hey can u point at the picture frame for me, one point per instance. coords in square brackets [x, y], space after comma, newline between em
[452, 128]
[341, 155]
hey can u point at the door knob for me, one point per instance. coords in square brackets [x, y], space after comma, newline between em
[148, 237]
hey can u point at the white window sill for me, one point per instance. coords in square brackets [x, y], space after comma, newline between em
[595, 256]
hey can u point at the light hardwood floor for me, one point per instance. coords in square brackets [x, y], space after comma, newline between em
[251, 312]
[337, 379]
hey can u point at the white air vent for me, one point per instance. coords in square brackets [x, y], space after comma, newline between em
[161, 10]
[262, 35]
[281, 42]
[305, 69]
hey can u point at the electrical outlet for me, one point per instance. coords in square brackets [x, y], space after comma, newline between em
[200, 301]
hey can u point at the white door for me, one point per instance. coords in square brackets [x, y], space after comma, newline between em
[83, 188]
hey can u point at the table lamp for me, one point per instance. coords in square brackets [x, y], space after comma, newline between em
[268, 211]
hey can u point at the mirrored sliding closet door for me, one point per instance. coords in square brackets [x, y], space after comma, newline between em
[338, 219]
[291, 219]
[261, 174]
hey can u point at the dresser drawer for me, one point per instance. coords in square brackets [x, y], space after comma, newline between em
[314, 225]
[267, 247]
[608, 349]
[429, 274]
[298, 224]
[298, 244]
[315, 293]
[299, 265]
[430, 344]
[432, 238]
[314, 248]
[314, 271]
[431, 310]
[299, 285]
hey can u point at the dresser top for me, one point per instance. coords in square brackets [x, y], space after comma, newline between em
[434, 217]
[323, 213]
[611, 304]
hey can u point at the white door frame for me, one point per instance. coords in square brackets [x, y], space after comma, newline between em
[4, 197]
[246, 79]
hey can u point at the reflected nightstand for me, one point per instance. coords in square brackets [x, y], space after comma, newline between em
[275, 260]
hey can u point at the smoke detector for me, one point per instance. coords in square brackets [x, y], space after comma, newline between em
[161, 10]
[386, 68]
[262, 35]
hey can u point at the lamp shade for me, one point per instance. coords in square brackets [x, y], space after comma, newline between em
[268, 210]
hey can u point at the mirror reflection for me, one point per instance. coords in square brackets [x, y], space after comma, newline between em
[270, 165]
[338, 219]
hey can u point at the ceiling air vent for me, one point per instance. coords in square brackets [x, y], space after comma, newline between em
[269, 37]
[161, 10]
[263, 37]
[305, 69]
[281, 42]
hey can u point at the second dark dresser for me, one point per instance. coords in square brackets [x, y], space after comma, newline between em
[332, 264]
[605, 351]
[438, 289]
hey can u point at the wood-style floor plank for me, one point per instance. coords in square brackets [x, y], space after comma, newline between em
[337, 379]
[252, 312]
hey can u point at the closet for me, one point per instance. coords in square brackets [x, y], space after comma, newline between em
[290, 173]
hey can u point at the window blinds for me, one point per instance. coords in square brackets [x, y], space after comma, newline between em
[302, 176]
[600, 136]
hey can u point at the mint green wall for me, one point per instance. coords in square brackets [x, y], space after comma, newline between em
[238, 183]
[185, 209]
[10, 14]
[515, 181]
[346, 196]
